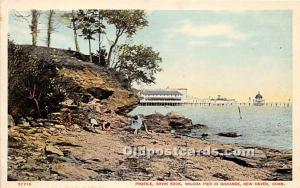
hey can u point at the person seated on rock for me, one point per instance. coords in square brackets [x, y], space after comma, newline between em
[93, 123]
[106, 125]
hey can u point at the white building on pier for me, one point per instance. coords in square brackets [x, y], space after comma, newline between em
[163, 96]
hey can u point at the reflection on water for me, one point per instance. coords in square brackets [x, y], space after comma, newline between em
[262, 126]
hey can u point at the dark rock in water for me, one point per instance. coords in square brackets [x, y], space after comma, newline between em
[204, 135]
[157, 123]
[229, 134]
[199, 126]
[176, 121]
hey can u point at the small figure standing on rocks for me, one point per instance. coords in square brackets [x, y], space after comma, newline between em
[137, 123]
[68, 118]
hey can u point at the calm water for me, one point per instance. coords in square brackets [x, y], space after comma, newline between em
[262, 126]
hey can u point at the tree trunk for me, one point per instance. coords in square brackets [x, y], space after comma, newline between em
[37, 106]
[34, 26]
[99, 17]
[119, 33]
[50, 27]
[90, 51]
[75, 32]
[111, 50]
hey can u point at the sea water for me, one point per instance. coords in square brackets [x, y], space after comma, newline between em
[265, 126]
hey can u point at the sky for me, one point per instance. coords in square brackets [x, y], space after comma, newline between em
[234, 54]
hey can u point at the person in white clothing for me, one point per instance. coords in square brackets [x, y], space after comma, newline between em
[137, 123]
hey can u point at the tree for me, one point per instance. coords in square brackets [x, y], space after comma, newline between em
[70, 19]
[32, 20]
[50, 27]
[138, 63]
[99, 28]
[34, 26]
[126, 22]
[87, 26]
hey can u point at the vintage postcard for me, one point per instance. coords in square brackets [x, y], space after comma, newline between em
[157, 94]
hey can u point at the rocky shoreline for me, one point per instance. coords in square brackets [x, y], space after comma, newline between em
[51, 138]
[45, 150]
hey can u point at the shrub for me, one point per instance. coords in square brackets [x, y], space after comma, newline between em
[34, 87]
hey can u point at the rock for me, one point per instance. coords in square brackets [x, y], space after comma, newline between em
[55, 114]
[24, 124]
[160, 123]
[19, 160]
[50, 149]
[98, 131]
[67, 102]
[199, 126]
[67, 143]
[178, 122]
[48, 124]
[174, 115]
[60, 127]
[157, 123]
[222, 176]
[34, 124]
[242, 161]
[10, 121]
[11, 177]
[76, 127]
[73, 172]
[46, 133]
[284, 170]
[229, 134]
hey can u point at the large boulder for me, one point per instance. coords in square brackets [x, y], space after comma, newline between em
[172, 121]
[157, 123]
[50, 149]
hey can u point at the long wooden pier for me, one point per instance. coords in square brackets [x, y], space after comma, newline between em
[271, 104]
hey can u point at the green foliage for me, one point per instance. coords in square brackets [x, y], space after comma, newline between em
[89, 23]
[138, 63]
[86, 24]
[103, 57]
[126, 21]
[33, 84]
